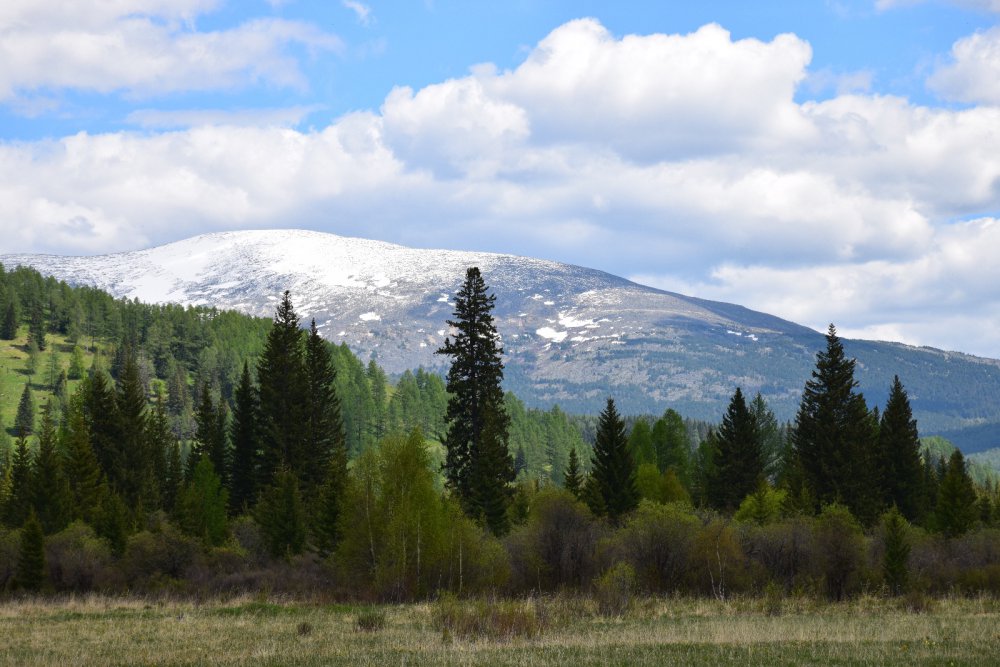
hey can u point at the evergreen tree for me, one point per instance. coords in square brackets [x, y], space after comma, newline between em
[956, 504]
[478, 465]
[11, 320]
[202, 505]
[613, 470]
[133, 474]
[30, 574]
[281, 377]
[160, 443]
[281, 517]
[77, 367]
[899, 447]
[36, 326]
[113, 522]
[101, 411]
[671, 444]
[324, 437]
[772, 440]
[738, 466]
[82, 468]
[377, 384]
[53, 369]
[209, 436]
[31, 363]
[24, 422]
[51, 494]
[835, 436]
[572, 481]
[897, 552]
[330, 505]
[173, 481]
[244, 432]
[19, 499]
[640, 442]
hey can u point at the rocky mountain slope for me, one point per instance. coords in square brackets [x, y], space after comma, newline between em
[572, 335]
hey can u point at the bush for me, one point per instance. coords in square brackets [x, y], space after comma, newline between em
[717, 563]
[482, 619]
[657, 541]
[152, 558]
[78, 560]
[615, 590]
[785, 551]
[840, 545]
[371, 620]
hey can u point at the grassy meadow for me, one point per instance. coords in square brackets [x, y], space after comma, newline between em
[549, 631]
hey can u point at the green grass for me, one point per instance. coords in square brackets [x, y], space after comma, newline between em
[109, 631]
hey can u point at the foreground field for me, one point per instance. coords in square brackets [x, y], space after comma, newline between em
[109, 631]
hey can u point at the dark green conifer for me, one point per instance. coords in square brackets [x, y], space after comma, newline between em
[329, 506]
[244, 432]
[895, 565]
[671, 444]
[113, 521]
[956, 504]
[324, 436]
[20, 497]
[738, 468]
[82, 468]
[30, 573]
[133, 473]
[101, 411]
[572, 481]
[77, 367]
[36, 326]
[478, 465]
[202, 505]
[209, 436]
[613, 470]
[281, 378]
[51, 494]
[281, 517]
[24, 422]
[11, 319]
[899, 447]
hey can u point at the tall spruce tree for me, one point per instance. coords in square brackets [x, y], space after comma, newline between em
[244, 432]
[24, 421]
[209, 436]
[133, 473]
[36, 325]
[478, 465]
[281, 516]
[11, 319]
[82, 468]
[835, 436]
[19, 498]
[324, 437]
[101, 412]
[51, 494]
[956, 504]
[572, 479]
[30, 573]
[613, 472]
[281, 378]
[899, 448]
[739, 463]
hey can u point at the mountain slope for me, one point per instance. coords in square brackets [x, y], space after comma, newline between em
[572, 335]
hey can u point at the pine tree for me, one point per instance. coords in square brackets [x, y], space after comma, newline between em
[202, 505]
[173, 480]
[11, 319]
[835, 436]
[24, 422]
[899, 447]
[19, 499]
[30, 574]
[956, 503]
[478, 465]
[281, 517]
[50, 491]
[897, 552]
[53, 369]
[82, 468]
[281, 377]
[133, 474]
[244, 432]
[209, 436]
[329, 506]
[36, 326]
[324, 437]
[113, 522]
[738, 468]
[772, 440]
[377, 385]
[613, 469]
[77, 366]
[101, 412]
[572, 481]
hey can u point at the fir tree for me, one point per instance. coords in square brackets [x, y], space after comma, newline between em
[173, 481]
[244, 432]
[82, 468]
[281, 517]
[329, 506]
[572, 481]
[613, 470]
[835, 436]
[478, 465]
[738, 467]
[281, 377]
[113, 521]
[209, 436]
[53, 369]
[132, 474]
[30, 574]
[36, 326]
[897, 552]
[24, 422]
[19, 499]
[324, 437]
[202, 505]
[101, 411]
[11, 319]
[772, 440]
[377, 384]
[51, 494]
[899, 447]
[77, 367]
[956, 503]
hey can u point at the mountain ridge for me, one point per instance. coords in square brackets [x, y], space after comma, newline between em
[572, 335]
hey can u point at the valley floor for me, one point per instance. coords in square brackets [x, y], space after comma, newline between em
[115, 631]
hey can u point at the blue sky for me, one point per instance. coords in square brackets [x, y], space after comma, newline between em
[821, 161]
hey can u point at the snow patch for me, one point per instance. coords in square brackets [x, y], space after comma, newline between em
[369, 317]
[571, 322]
[552, 334]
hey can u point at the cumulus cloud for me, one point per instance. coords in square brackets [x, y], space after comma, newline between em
[144, 48]
[682, 160]
[973, 75]
[362, 11]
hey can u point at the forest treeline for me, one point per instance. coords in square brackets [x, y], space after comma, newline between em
[190, 449]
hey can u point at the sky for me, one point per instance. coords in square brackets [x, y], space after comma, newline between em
[820, 160]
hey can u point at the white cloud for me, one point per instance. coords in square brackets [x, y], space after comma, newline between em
[978, 5]
[362, 11]
[973, 75]
[181, 118]
[144, 48]
[681, 158]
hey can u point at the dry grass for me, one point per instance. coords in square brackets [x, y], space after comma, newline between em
[246, 631]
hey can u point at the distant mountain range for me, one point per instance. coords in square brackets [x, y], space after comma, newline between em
[572, 335]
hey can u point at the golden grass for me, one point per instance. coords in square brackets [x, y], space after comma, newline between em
[92, 630]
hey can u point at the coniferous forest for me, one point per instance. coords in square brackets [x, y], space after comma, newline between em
[190, 451]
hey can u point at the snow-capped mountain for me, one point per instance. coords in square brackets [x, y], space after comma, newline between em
[572, 335]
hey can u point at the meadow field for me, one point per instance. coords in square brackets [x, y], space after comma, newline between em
[95, 630]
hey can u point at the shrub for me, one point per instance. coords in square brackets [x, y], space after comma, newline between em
[716, 560]
[152, 557]
[78, 560]
[482, 619]
[785, 550]
[615, 589]
[840, 545]
[371, 620]
[657, 541]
